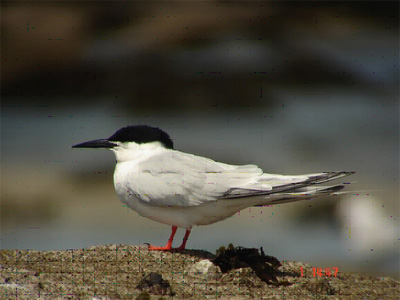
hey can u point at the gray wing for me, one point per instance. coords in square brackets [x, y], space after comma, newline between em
[298, 185]
[174, 178]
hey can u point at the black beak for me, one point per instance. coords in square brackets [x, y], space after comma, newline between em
[96, 144]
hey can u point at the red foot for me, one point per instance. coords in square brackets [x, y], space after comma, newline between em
[165, 248]
[168, 246]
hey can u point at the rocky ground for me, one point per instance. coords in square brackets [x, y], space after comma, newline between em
[133, 272]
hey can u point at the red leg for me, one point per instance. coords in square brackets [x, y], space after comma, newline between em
[168, 246]
[182, 247]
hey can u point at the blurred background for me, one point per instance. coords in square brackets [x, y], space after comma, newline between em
[294, 87]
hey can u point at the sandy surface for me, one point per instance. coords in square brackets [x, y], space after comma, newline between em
[115, 271]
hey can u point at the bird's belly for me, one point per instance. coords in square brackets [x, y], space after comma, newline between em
[184, 216]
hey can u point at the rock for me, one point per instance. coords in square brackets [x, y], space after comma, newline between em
[204, 269]
[119, 272]
[320, 286]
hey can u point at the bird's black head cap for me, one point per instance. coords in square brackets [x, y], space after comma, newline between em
[142, 134]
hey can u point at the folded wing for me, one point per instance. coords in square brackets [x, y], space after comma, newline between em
[173, 178]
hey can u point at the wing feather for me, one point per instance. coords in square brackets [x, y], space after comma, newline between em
[174, 178]
[182, 179]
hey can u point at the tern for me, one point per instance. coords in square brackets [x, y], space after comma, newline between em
[182, 190]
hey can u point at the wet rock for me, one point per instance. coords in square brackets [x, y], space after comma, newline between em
[155, 284]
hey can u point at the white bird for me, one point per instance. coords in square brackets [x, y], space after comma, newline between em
[183, 190]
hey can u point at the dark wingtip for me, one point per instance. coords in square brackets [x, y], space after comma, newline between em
[333, 189]
[349, 172]
[340, 173]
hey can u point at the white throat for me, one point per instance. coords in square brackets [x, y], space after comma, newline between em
[133, 152]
